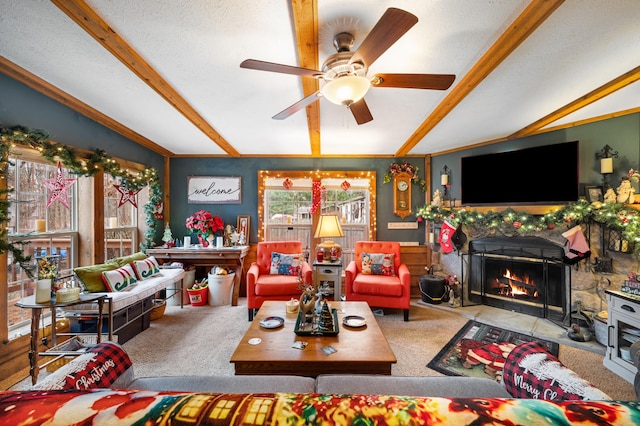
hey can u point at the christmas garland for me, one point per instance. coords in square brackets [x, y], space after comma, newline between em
[617, 216]
[405, 167]
[97, 161]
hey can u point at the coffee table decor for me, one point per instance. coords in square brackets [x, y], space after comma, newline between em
[272, 322]
[326, 324]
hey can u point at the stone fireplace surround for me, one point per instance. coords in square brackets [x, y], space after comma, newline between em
[587, 284]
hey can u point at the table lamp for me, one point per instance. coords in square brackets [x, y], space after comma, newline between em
[328, 227]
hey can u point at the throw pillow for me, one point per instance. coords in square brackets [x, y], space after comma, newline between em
[285, 264]
[120, 279]
[125, 260]
[91, 276]
[146, 268]
[378, 264]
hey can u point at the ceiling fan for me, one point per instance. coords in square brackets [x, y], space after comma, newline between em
[345, 72]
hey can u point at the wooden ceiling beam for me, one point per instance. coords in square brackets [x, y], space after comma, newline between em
[39, 85]
[95, 26]
[524, 25]
[305, 21]
[593, 96]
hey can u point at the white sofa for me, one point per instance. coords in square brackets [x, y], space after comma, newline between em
[129, 312]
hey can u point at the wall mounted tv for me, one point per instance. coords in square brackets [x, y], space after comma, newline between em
[540, 175]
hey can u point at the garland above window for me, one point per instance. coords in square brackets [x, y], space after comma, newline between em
[405, 167]
[82, 166]
[612, 215]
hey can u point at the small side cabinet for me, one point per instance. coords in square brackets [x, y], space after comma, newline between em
[329, 273]
[623, 329]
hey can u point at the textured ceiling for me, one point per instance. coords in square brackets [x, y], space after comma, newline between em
[166, 73]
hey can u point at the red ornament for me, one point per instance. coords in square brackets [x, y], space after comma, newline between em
[127, 195]
[551, 226]
[345, 185]
[419, 218]
[287, 183]
[517, 225]
[58, 187]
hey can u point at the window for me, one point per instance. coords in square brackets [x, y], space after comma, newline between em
[50, 231]
[120, 223]
[287, 211]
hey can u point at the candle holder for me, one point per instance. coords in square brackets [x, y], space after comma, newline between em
[606, 156]
[445, 175]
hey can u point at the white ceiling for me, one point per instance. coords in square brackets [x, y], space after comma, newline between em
[200, 102]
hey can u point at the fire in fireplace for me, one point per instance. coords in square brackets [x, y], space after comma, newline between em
[521, 274]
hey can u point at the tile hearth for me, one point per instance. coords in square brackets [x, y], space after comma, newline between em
[522, 323]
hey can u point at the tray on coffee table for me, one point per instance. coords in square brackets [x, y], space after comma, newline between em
[306, 330]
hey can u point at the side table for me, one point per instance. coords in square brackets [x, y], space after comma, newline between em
[36, 311]
[329, 273]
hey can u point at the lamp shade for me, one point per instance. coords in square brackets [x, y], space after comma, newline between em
[329, 227]
[346, 90]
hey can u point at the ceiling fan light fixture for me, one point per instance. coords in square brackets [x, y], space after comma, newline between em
[346, 90]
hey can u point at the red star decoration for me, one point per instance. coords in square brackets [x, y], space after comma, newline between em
[58, 187]
[127, 195]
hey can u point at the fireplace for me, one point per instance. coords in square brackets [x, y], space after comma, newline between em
[520, 274]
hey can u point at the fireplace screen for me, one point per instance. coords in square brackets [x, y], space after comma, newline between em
[511, 278]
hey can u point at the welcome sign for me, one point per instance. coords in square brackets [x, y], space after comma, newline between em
[214, 190]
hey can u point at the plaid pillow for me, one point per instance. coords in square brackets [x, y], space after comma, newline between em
[120, 279]
[285, 264]
[146, 268]
[378, 264]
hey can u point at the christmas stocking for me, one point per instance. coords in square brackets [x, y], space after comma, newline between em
[577, 247]
[445, 237]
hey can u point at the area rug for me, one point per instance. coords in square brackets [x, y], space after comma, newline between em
[479, 350]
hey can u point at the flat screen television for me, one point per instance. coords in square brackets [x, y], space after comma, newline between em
[540, 175]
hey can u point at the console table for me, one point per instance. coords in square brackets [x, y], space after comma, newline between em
[225, 256]
[29, 302]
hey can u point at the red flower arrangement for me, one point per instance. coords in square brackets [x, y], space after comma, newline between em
[204, 223]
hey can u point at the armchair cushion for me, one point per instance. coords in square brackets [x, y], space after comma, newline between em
[286, 264]
[378, 285]
[378, 264]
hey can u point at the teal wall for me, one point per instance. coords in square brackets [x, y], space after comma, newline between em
[20, 105]
[621, 133]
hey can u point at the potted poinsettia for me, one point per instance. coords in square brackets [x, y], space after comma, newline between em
[205, 226]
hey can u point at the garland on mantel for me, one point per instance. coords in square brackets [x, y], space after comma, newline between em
[97, 161]
[617, 216]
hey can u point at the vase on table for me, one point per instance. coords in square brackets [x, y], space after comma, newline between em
[202, 241]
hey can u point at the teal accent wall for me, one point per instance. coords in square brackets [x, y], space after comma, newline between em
[620, 133]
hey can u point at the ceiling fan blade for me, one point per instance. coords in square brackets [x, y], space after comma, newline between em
[255, 64]
[361, 112]
[391, 26]
[301, 104]
[414, 81]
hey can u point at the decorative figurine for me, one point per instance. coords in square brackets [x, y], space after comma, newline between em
[437, 199]
[610, 196]
[625, 192]
[579, 334]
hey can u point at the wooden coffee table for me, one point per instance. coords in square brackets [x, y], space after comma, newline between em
[359, 350]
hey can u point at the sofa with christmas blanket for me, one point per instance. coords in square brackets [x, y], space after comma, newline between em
[102, 389]
[130, 283]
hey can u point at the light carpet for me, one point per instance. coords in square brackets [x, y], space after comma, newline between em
[199, 340]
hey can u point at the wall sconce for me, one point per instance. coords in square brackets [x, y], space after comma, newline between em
[606, 156]
[445, 181]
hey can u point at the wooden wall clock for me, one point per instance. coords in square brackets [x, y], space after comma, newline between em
[402, 195]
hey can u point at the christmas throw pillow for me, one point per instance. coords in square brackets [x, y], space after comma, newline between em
[121, 279]
[378, 264]
[146, 268]
[285, 264]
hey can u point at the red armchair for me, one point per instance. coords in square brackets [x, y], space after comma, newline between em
[262, 285]
[381, 291]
